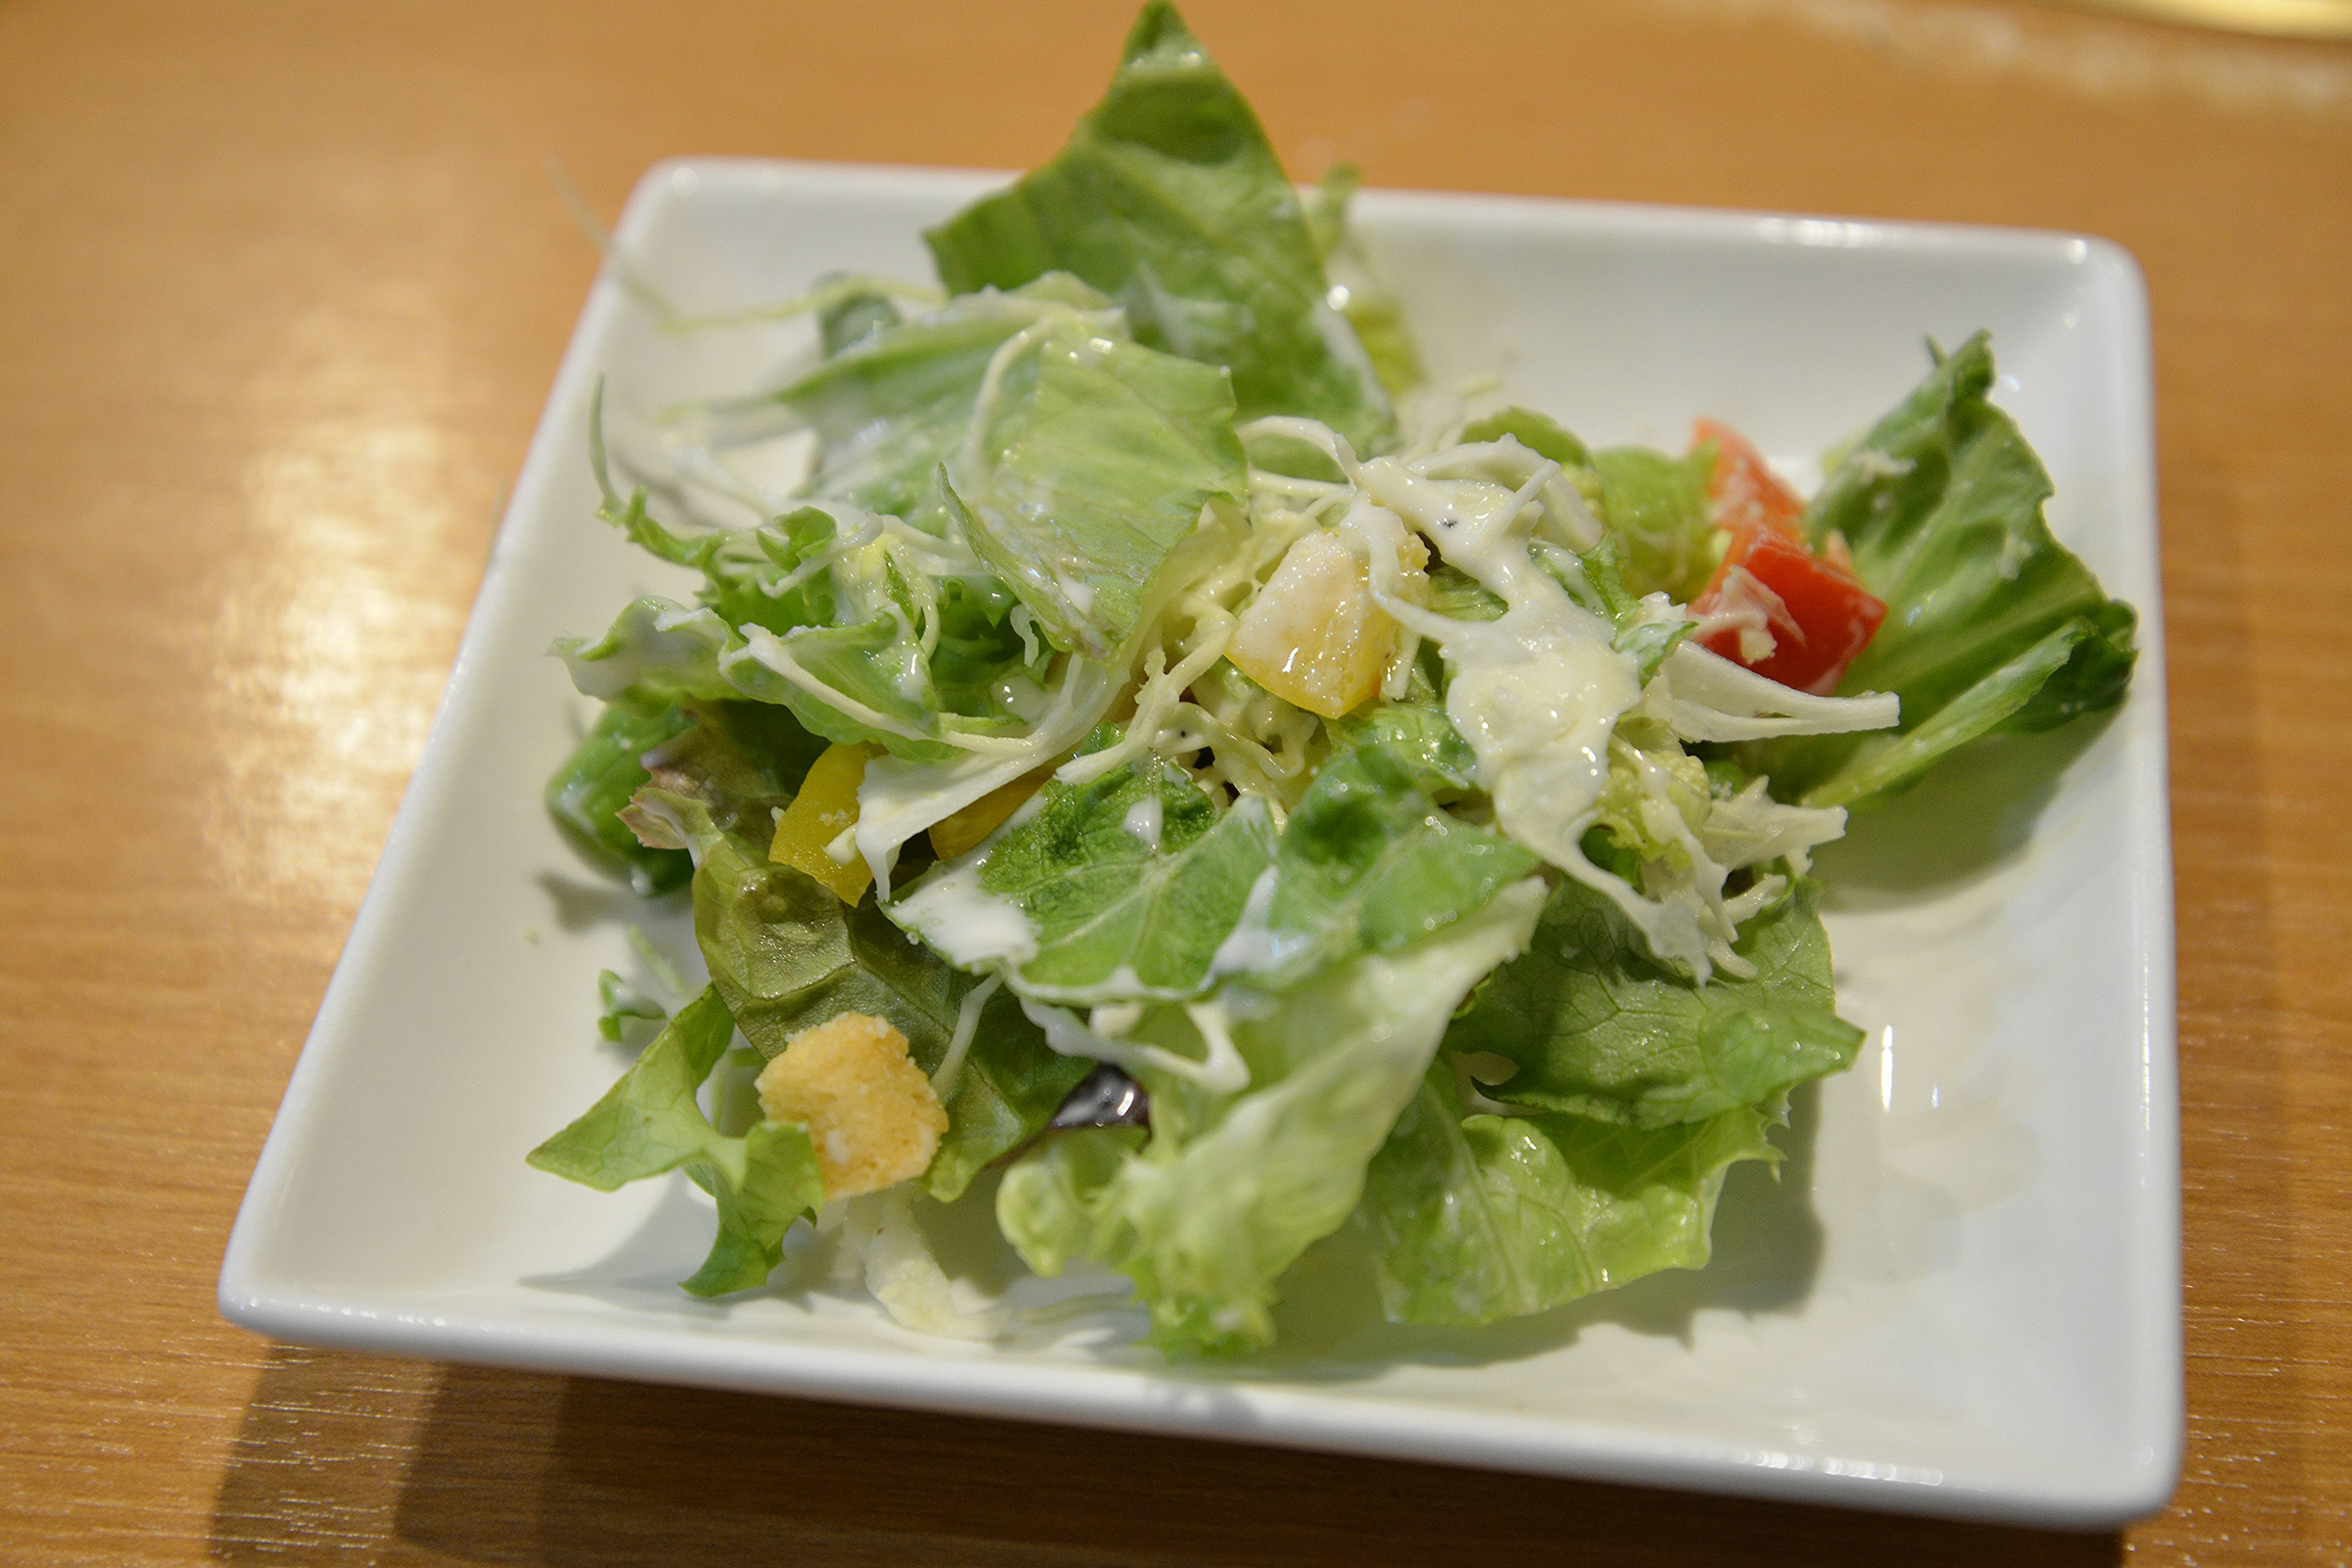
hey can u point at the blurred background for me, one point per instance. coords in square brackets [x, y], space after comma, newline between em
[282, 290]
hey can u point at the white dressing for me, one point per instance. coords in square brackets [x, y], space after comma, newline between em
[1142, 823]
[968, 926]
[1536, 693]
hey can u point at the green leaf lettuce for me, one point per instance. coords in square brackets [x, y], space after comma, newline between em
[1991, 624]
[1169, 199]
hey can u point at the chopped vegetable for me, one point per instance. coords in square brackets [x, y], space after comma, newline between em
[1773, 604]
[1313, 635]
[824, 814]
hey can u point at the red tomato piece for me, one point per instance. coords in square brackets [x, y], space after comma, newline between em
[1786, 614]
[1746, 493]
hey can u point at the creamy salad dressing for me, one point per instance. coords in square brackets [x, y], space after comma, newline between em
[1538, 692]
[1254, 946]
[971, 927]
[1221, 1072]
[1142, 823]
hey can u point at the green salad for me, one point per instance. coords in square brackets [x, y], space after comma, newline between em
[1164, 770]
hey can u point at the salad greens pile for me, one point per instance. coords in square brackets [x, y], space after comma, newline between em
[1149, 677]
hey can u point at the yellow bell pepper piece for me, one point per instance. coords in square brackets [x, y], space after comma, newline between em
[826, 809]
[1313, 635]
[959, 830]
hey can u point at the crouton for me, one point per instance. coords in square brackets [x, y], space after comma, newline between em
[870, 1112]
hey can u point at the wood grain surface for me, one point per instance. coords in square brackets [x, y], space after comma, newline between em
[282, 288]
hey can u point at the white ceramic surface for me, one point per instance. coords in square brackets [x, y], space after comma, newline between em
[1963, 1299]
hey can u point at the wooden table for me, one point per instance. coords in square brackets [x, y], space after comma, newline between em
[281, 290]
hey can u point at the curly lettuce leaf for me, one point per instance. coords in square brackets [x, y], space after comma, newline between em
[1009, 1087]
[1648, 628]
[869, 630]
[868, 644]
[1230, 1189]
[1991, 624]
[1129, 882]
[656, 656]
[1368, 305]
[1480, 1217]
[1420, 738]
[891, 402]
[649, 1123]
[1137, 887]
[1169, 199]
[1366, 863]
[1597, 1028]
[787, 954]
[1538, 433]
[1457, 596]
[587, 794]
[850, 318]
[1656, 506]
[743, 760]
[1087, 476]
[864, 646]
[620, 1005]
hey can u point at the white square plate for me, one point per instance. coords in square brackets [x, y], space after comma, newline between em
[1963, 1297]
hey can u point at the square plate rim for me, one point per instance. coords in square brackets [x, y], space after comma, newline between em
[1274, 1413]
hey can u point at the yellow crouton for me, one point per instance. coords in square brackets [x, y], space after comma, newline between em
[869, 1111]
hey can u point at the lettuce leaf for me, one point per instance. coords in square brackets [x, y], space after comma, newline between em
[1230, 1189]
[1597, 1028]
[587, 794]
[843, 648]
[1483, 1218]
[649, 1123]
[1137, 887]
[743, 760]
[890, 404]
[851, 319]
[1369, 306]
[867, 629]
[786, 955]
[1455, 593]
[1656, 506]
[1096, 462]
[1169, 199]
[1538, 433]
[1418, 737]
[1009, 1087]
[620, 1003]
[1129, 882]
[1991, 624]
[1650, 629]
[656, 656]
[1366, 863]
